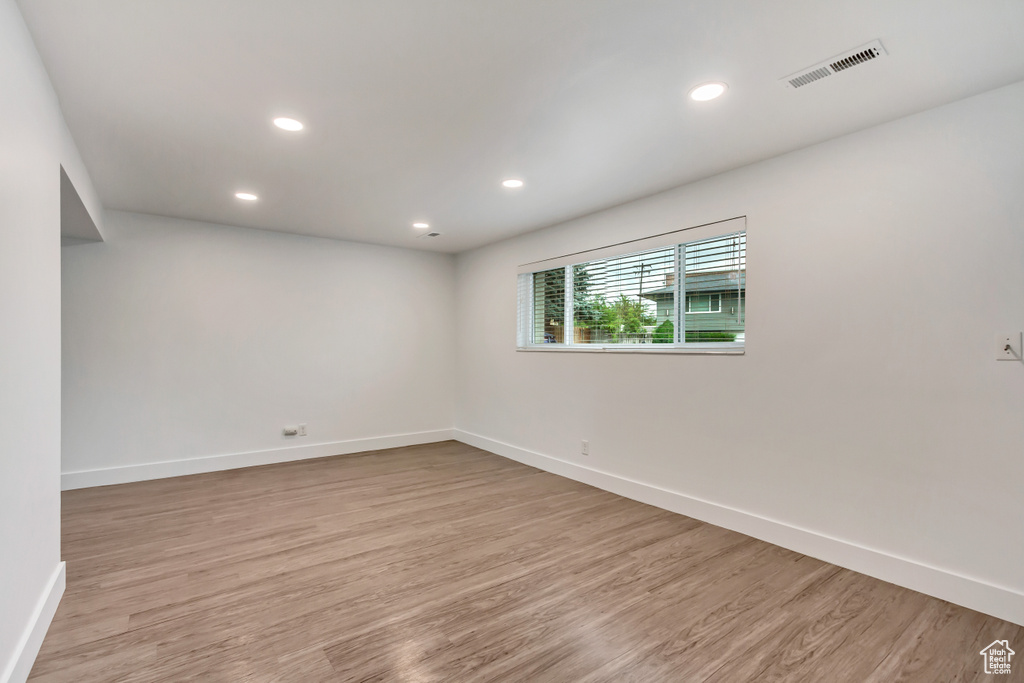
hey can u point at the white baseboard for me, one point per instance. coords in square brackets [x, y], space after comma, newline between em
[215, 463]
[973, 593]
[18, 669]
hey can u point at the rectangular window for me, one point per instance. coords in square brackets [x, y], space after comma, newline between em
[686, 295]
[704, 303]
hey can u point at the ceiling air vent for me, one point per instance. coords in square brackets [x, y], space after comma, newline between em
[831, 67]
[428, 234]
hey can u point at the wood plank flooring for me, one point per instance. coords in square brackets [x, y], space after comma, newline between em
[445, 563]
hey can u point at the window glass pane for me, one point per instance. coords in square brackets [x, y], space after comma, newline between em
[701, 303]
[715, 285]
[549, 307]
[625, 299]
[686, 293]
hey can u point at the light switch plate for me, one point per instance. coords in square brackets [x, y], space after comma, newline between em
[1011, 340]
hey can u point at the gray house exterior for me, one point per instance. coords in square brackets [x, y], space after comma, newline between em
[715, 301]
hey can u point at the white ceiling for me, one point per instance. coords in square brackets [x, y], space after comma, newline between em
[417, 109]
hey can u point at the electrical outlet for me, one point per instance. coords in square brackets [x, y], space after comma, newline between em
[585, 447]
[291, 431]
[1008, 346]
[302, 429]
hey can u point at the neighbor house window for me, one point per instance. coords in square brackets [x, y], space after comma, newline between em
[639, 296]
[704, 303]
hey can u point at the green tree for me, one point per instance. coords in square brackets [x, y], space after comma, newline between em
[623, 316]
[552, 284]
[585, 308]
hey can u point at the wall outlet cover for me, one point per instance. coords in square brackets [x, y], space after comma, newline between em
[1008, 346]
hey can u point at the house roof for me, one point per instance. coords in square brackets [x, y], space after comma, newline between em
[708, 281]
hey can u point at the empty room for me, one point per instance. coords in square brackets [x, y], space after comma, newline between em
[542, 341]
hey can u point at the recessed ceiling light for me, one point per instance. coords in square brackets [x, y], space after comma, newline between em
[247, 196]
[288, 124]
[512, 182]
[707, 91]
[421, 225]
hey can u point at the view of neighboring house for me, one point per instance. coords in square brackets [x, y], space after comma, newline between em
[715, 301]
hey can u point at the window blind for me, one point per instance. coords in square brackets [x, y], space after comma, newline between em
[715, 288]
[547, 324]
[657, 298]
[665, 239]
[620, 300]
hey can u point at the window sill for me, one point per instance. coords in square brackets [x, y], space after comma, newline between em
[728, 349]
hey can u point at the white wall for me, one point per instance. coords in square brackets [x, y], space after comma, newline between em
[185, 340]
[868, 408]
[34, 143]
[75, 169]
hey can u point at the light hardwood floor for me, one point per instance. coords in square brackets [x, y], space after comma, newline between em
[446, 563]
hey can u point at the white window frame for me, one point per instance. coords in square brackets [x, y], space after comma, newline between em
[678, 239]
[710, 310]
